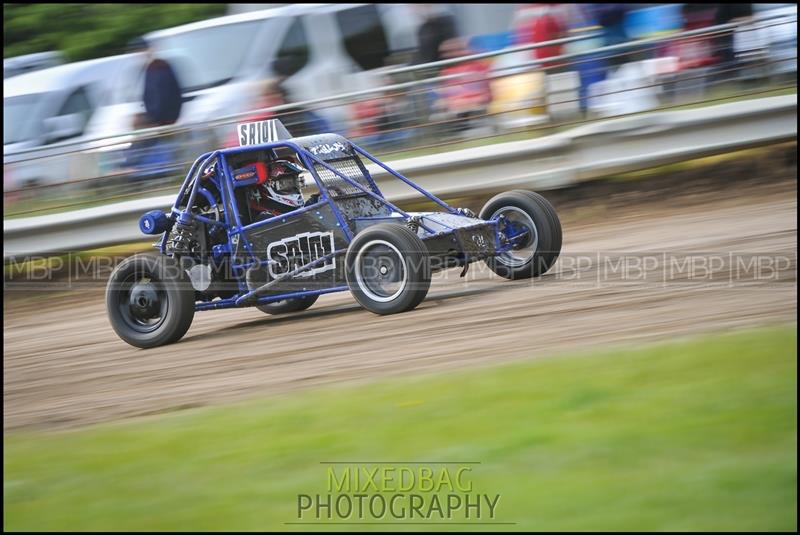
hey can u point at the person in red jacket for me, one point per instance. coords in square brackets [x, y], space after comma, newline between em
[469, 93]
[541, 23]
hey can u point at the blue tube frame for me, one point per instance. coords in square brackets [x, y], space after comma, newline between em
[232, 224]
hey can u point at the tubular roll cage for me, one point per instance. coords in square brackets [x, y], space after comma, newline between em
[232, 224]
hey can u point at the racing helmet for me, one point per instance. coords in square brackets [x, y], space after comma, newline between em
[283, 183]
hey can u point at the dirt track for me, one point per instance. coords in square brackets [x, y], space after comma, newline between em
[63, 366]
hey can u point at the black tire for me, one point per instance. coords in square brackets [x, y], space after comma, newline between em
[150, 301]
[384, 256]
[555, 224]
[286, 306]
[541, 249]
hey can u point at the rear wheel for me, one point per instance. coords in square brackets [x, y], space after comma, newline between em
[388, 269]
[286, 306]
[150, 301]
[531, 224]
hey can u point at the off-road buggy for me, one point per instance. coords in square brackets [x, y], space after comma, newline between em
[220, 249]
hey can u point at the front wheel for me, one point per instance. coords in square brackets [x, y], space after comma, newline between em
[531, 227]
[388, 268]
[150, 301]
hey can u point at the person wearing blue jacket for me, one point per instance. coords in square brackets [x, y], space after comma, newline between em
[153, 157]
[162, 92]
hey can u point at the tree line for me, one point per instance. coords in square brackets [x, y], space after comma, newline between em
[86, 31]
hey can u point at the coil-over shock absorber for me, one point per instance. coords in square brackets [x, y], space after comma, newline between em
[188, 237]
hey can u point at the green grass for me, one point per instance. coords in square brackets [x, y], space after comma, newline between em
[692, 435]
[709, 162]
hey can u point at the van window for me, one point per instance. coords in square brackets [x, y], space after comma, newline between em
[293, 53]
[19, 117]
[78, 102]
[210, 56]
[364, 36]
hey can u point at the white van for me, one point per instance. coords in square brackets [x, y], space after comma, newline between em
[30, 63]
[221, 63]
[54, 105]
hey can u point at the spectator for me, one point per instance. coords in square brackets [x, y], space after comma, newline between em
[694, 52]
[154, 157]
[438, 26]
[542, 23]
[468, 95]
[162, 92]
[611, 18]
[379, 122]
[580, 19]
[297, 120]
[727, 14]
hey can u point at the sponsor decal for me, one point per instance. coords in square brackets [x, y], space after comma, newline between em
[328, 148]
[479, 240]
[296, 251]
[244, 175]
[258, 132]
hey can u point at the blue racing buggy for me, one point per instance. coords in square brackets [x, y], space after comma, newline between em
[249, 228]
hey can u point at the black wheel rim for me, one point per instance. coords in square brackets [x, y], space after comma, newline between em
[142, 302]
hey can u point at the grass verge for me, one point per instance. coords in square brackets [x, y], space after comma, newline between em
[698, 434]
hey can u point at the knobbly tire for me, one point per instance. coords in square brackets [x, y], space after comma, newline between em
[150, 300]
[531, 217]
[387, 267]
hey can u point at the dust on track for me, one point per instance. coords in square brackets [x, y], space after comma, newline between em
[64, 366]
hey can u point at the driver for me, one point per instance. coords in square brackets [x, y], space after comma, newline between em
[276, 190]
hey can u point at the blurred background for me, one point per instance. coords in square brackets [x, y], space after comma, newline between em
[102, 102]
